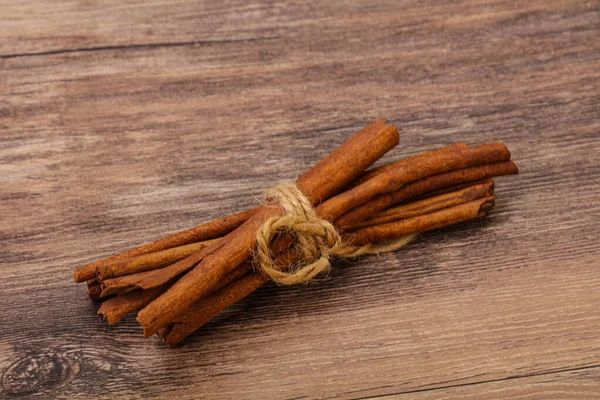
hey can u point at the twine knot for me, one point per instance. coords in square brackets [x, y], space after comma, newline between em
[317, 240]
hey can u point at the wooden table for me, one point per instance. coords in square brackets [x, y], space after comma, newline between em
[121, 123]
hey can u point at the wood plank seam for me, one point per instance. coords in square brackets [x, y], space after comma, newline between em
[135, 47]
[510, 378]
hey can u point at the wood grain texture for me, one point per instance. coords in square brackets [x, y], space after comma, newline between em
[120, 124]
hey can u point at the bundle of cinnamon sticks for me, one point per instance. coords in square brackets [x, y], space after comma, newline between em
[180, 282]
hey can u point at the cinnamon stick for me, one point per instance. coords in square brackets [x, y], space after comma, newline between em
[430, 204]
[373, 172]
[205, 309]
[325, 178]
[209, 230]
[448, 189]
[115, 308]
[411, 170]
[210, 306]
[426, 185]
[150, 261]
[151, 279]
[438, 219]
[94, 291]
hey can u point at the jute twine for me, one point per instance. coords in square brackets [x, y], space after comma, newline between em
[317, 240]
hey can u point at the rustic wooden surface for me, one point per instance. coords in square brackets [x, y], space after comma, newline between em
[121, 123]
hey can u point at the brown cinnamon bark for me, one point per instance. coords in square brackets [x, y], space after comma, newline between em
[426, 185]
[438, 219]
[430, 204]
[151, 279]
[210, 306]
[209, 230]
[205, 309]
[115, 308]
[402, 173]
[373, 172]
[94, 291]
[325, 178]
[449, 189]
[150, 261]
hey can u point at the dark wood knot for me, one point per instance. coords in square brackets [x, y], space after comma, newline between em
[40, 372]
